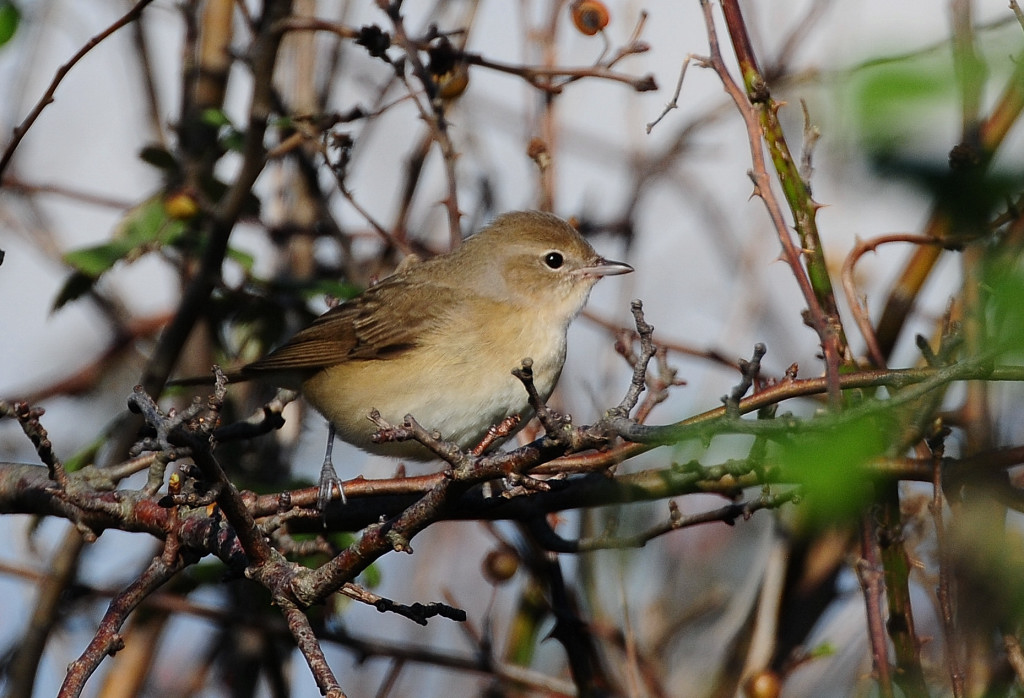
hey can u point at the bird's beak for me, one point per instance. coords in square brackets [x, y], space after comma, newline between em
[605, 267]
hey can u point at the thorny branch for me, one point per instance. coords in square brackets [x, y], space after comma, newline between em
[298, 588]
[756, 108]
[860, 313]
[567, 468]
[676, 520]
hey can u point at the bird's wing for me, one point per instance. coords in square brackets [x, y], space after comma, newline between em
[387, 319]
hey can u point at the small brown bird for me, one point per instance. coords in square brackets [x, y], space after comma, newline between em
[439, 338]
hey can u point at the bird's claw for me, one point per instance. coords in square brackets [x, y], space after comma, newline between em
[329, 480]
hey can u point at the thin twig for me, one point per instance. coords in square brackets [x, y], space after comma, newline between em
[28, 418]
[542, 77]
[175, 431]
[760, 112]
[647, 350]
[857, 307]
[727, 514]
[1017, 12]
[554, 423]
[674, 102]
[759, 174]
[434, 118]
[944, 592]
[107, 640]
[750, 371]
[47, 98]
[869, 572]
[309, 646]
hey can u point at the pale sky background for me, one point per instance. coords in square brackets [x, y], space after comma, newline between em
[704, 257]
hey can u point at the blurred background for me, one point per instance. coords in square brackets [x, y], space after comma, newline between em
[673, 199]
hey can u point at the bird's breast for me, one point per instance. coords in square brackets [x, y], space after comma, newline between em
[457, 380]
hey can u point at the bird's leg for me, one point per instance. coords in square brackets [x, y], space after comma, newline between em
[328, 477]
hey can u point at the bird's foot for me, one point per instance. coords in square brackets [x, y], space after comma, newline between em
[329, 480]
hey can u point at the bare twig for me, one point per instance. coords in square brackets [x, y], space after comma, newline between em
[417, 613]
[543, 77]
[309, 646]
[750, 371]
[760, 113]
[944, 592]
[1018, 13]
[715, 356]
[174, 431]
[434, 117]
[647, 350]
[869, 572]
[47, 98]
[554, 423]
[857, 307]
[306, 24]
[673, 103]
[107, 640]
[676, 520]
[28, 418]
[762, 183]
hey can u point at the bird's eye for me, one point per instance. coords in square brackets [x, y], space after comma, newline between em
[554, 260]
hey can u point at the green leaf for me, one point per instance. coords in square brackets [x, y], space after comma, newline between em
[93, 261]
[143, 229]
[87, 455]
[232, 140]
[77, 285]
[161, 158]
[216, 117]
[144, 224]
[228, 137]
[243, 259]
[371, 577]
[892, 99]
[342, 290]
[825, 649]
[1004, 283]
[831, 463]
[10, 18]
[148, 222]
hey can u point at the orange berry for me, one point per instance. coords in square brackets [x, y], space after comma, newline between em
[537, 151]
[589, 16]
[453, 83]
[180, 205]
[763, 684]
[501, 564]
